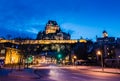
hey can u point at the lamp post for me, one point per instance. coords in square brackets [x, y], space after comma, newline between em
[74, 57]
[100, 53]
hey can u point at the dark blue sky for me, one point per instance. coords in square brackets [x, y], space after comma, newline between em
[86, 18]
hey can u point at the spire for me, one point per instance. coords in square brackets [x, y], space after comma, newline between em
[105, 34]
[54, 23]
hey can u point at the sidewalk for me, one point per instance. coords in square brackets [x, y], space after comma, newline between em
[4, 72]
[24, 73]
[98, 69]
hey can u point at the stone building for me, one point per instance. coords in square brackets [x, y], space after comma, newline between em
[53, 32]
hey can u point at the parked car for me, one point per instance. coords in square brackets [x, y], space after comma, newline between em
[80, 62]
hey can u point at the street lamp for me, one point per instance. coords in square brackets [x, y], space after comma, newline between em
[100, 53]
[74, 58]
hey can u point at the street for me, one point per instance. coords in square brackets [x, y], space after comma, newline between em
[55, 73]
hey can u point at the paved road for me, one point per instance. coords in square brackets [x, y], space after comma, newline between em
[54, 73]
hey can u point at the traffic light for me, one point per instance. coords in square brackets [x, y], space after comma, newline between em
[30, 59]
[59, 56]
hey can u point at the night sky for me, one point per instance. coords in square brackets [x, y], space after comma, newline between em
[86, 18]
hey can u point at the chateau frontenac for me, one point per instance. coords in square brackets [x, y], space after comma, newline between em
[53, 32]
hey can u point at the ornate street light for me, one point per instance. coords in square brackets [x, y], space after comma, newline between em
[100, 54]
[74, 58]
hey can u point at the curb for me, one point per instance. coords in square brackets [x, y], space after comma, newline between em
[101, 71]
[105, 72]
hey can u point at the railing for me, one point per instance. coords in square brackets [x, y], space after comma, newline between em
[43, 41]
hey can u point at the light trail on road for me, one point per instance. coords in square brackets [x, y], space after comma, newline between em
[72, 73]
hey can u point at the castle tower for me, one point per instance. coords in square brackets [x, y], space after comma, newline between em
[53, 32]
[51, 27]
[105, 34]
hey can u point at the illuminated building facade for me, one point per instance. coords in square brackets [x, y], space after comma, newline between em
[105, 38]
[12, 56]
[51, 42]
[53, 32]
[117, 50]
[51, 27]
[2, 52]
[107, 46]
